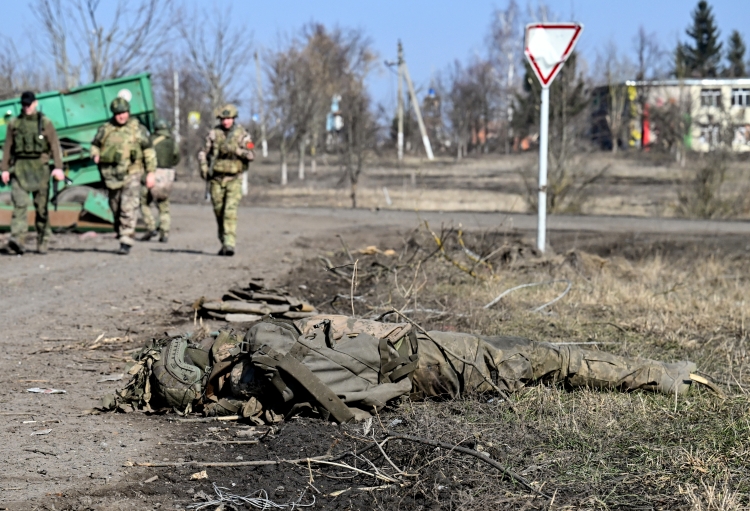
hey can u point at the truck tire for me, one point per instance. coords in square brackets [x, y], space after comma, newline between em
[76, 194]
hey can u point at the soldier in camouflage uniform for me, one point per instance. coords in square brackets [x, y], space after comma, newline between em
[29, 140]
[227, 152]
[167, 156]
[122, 149]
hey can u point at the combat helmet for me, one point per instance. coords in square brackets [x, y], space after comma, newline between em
[227, 111]
[119, 105]
[161, 124]
[179, 374]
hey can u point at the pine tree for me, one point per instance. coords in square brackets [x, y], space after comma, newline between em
[735, 56]
[703, 54]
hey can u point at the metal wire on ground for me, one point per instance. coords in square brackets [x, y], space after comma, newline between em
[260, 502]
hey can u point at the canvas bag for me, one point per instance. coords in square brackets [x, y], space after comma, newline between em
[345, 377]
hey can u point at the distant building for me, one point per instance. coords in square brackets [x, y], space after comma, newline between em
[704, 113]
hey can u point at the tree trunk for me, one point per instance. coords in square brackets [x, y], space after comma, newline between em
[302, 160]
[284, 178]
[354, 194]
[313, 155]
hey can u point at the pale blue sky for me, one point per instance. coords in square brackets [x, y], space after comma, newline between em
[436, 32]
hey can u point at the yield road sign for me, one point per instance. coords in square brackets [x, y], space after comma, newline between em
[548, 46]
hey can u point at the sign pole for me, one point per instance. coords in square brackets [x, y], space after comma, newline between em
[541, 240]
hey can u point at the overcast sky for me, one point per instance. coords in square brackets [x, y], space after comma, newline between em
[436, 32]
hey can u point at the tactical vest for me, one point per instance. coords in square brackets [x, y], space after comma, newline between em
[28, 138]
[164, 146]
[121, 153]
[226, 145]
[180, 374]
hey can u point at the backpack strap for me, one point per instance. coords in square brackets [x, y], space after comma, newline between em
[290, 365]
[394, 370]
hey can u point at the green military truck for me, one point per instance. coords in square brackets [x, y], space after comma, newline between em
[81, 201]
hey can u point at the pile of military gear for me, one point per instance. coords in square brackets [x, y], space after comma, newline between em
[343, 368]
[251, 303]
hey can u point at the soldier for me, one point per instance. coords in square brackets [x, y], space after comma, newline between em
[122, 149]
[167, 156]
[226, 154]
[345, 366]
[29, 139]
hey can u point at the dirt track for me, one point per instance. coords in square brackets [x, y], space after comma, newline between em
[82, 290]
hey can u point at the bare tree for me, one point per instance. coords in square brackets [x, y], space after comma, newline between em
[505, 43]
[649, 57]
[616, 69]
[127, 43]
[218, 51]
[17, 74]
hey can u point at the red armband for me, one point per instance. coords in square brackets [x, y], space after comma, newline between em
[250, 145]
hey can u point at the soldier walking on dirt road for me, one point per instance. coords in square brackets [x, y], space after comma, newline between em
[227, 152]
[29, 139]
[122, 149]
[167, 156]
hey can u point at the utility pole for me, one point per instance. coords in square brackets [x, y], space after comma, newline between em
[176, 127]
[400, 102]
[263, 143]
[415, 104]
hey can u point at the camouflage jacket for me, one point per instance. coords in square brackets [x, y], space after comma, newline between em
[229, 151]
[29, 143]
[167, 150]
[123, 150]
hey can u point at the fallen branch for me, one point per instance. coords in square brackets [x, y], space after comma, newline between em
[532, 284]
[201, 442]
[203, 464]
[209, 419]
[464, 450]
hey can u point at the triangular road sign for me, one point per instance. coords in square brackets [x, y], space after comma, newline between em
[548, 46]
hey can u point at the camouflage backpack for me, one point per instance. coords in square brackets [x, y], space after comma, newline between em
[342, 376]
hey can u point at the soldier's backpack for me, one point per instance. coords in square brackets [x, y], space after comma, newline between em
[344, 376]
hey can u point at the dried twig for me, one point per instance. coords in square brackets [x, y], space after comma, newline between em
[505, 471]
[532, 284]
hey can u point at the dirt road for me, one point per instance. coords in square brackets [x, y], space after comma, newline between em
[55, 307]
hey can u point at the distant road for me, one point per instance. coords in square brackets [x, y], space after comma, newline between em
[609, 224]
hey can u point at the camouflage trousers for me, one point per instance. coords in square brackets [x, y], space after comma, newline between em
[453, 364]
[124, 204]
[19, 225]
[226, 193]
[513, 362]
[162, 205]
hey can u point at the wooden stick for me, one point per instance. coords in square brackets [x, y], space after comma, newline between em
[201, 442]
[209, 419]
[505, 471]
[223, 463]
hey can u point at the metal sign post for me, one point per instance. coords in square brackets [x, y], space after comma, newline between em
[548, 46]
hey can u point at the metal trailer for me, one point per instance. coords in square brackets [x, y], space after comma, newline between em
[81, 200]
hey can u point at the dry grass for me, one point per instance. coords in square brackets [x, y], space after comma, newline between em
[590, 449]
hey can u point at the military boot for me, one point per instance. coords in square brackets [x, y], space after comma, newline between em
[149, 234]
[229, 251]
[42, 246]
[164, 238]
[124, 249]
[15, 246]
[675, 377]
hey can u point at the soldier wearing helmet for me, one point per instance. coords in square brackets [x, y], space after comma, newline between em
[167, 156]
[30, 140]
[122, 148]
[226, 154]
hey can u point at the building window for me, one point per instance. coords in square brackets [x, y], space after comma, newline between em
[740, 97]
[711, 97]
[710, 135]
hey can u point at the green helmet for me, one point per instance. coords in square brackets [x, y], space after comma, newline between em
[227, 111]
[119, 106]
[161, 124]
[178, 375]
